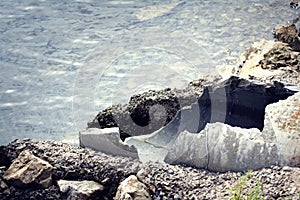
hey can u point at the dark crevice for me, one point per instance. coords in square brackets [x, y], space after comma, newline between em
[245, 102]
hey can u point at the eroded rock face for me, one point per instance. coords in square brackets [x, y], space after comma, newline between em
[149, 111]
[132, 189]
[288, 34]
[80, 190]
[243, 139]
[239, 102]
[269, 61]
[29, 171]
[221, 147]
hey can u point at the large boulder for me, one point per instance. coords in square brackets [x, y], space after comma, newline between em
[80, 190]
[269, 61]
[132, 189]
[221, 147]
[288, 34]
[284, 125]
[242, 139]
[29, 171]
[235, 101]
[149, 111]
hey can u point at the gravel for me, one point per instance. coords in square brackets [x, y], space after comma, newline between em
[164, 181]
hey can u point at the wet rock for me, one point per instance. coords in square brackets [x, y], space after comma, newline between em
[81, 190]
[107, 141]
[132, 189]
[288, 34]
[28, 170]
[143, 114]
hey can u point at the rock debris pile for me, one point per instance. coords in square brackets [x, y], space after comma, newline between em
[80, 173]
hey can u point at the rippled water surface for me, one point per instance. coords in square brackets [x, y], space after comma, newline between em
[62, 61]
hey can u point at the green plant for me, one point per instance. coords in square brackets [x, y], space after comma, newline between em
[254, 193]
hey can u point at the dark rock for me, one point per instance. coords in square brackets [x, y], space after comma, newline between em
[295, 3]
[149, 111]
[74, 163]
[282, 58]
[95, 166]
[288, 34]
[4, 161]
[237, 102]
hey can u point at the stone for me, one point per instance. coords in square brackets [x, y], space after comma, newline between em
[284, 119]
[106, 140]
[80, 190]
[190, 149]
[220, 147]
[4, 187]
[143, 114]
[149, 111]
[295, 4]
[29, 171]
[288, 34]
[237, 149]
[233, 148]
[235, 101]
[4, 161]
[268, 61]
[132, 189]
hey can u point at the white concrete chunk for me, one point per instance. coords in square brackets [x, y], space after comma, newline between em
[107, 141]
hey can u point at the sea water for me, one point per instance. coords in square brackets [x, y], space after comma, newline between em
[63, 61]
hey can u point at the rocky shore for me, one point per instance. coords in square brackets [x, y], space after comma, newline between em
[160, 181]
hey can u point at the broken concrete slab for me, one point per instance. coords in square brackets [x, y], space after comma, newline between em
[222, 131]
[107, 141]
